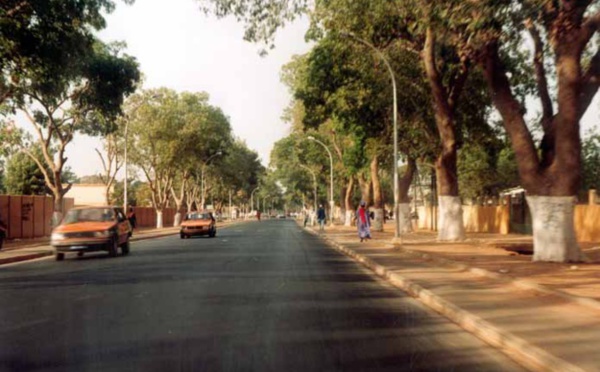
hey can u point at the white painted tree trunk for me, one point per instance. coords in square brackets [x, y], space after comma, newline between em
[450, 219]
[554, 238]
[348, 218]
[177, 219]
[159, 219]
[405, 220]
[378, 219]
[56, 218]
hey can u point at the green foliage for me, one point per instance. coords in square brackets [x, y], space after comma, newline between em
[262, 18]
[43, 41]
[138, 194]
[475, 171]
[591, 160]
[507, 172]
[23, 176]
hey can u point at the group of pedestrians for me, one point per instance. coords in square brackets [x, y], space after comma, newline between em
[363, 220]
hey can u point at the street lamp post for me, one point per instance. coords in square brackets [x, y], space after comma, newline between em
[396, 184]
[330, 177]
[218, 153]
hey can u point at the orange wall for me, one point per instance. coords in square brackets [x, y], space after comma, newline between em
[29, 216]
[488, 219]
[587, 223]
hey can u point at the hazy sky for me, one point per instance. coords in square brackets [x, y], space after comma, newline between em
[178, 47]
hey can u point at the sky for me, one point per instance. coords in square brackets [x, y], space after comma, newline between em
[180, 48]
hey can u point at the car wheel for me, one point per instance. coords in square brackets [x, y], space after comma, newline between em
[182, 236]
[113, 248]
[125, 248]
[79, 254]
[60, 256]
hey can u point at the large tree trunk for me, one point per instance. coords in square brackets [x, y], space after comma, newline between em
[177, 218]
[59, 193]
[450, 213]
[377, 197]
[551, 181]
[348, 202]
[554, 229]
[365, 189]
[404, 207]
[58, 212]
[444, 103]
[159, 219]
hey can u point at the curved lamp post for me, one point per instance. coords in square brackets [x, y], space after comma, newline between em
[391, 71]
[330, 177]
[218, 153]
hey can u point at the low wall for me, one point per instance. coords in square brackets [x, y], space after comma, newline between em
[146, 216]
[28, 216]
[495, 219]
[587, 223]
[486, 219]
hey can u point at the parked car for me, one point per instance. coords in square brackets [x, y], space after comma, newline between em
[198, 224]
[92, 229]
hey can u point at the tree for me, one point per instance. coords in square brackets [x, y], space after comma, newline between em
[41, 39]
[170, 135]
[591, 161]
[112, 159]
[84, 101]
[23, 177]
[239, 172]
[550, 172]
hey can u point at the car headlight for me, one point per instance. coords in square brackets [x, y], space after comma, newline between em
[102, 234]
[57, 236]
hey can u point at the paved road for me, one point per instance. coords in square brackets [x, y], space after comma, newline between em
[258, 297]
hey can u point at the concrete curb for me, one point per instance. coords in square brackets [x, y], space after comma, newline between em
[27, 257]
[519, 283]
[524, 353]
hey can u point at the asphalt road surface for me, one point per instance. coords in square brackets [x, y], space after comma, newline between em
[261, 296]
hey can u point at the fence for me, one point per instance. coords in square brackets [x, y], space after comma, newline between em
[496, 219]
[146, 216]
[29, 217]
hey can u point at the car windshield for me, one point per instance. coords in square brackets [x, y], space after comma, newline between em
[198, 216]
[89, 215]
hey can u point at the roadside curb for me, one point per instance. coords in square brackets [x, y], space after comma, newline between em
[520, 283]
[526, 354]
[32, 256]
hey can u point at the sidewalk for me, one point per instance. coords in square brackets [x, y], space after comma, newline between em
[31, 249]
[546, 316]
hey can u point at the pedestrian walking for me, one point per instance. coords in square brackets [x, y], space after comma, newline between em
[305, 217]
[321, 217]
[132, 218]
[258, 215]
[363, 222]
[3, 231]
